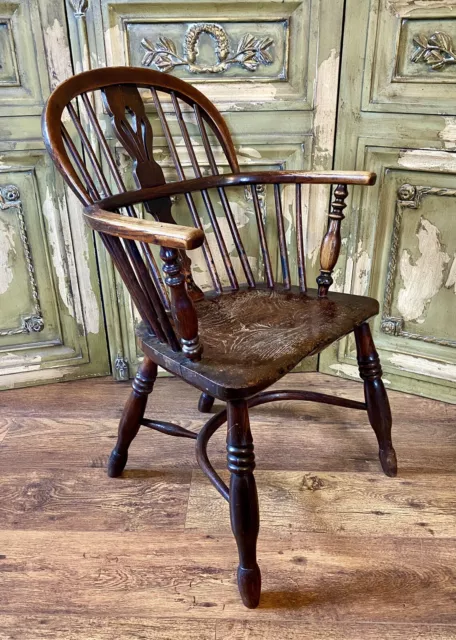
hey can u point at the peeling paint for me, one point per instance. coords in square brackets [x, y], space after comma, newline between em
[324, 128]
[362, 271]
[57, 45]
[451, 280]
[347, 369]
[7, 254]
[448, 133]
[249, 151]
[423, 366]
[423, 279]
[418, 159]
[90, 308]
[404, 8]
[58, 250]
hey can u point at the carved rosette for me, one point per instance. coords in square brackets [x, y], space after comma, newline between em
[33, 323]
[251, 51]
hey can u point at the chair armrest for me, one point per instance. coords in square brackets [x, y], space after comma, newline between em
[166, 235]
[127, 198]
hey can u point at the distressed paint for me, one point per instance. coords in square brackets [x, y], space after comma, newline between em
[56, 46]
[448, 134]
[451, 280]
[423, 366]
[362, 271]
[7, 254]
[427, 160]
[422, 279]
[324, 130]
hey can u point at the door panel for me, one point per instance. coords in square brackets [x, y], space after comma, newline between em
[51, 318]
[399, 243]
[279, 100]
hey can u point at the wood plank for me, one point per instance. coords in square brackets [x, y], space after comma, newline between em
[293, 630]
[88, 500]
[51, 627]
[351, 504]
[313, 577]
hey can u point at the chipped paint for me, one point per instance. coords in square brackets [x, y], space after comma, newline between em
[58, 252]
[324, 130]
[7, 254]
[249, 151]
[56, 45]
[345, 369]
[423, 366]
[451, 280]
[90, 309]
[423, 279]
[448, 133]
[362, 271]
[404, 8]
[418, 160]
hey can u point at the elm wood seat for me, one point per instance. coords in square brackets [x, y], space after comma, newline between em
[259, 317]
[253, 337]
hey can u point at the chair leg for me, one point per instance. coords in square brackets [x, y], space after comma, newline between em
[132, 415]
[378, 408]
[205, 403]
[244, 514]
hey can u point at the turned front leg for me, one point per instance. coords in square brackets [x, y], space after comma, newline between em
[132, 415]
[378, 407]
[244, 513]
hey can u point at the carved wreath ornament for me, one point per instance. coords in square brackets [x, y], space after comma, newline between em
[436, 50]
[250, 53]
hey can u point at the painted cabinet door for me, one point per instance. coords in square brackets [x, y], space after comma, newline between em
[51, 322]
[397, 118]
[280, 105]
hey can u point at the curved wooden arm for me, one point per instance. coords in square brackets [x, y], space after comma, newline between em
[237, 179]
[163, 234]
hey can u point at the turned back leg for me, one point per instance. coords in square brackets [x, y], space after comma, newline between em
[205, 403]
[378, 408]
[244, 514]
[132, 415]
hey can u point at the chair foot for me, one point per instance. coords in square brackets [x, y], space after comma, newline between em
[116, 463]
[244, 512]
[205, 403]
[132, 415]
[249, 584]
[388, 461]
[378, 408]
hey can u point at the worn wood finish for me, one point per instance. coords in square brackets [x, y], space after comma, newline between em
[167, 235]
[235, 342]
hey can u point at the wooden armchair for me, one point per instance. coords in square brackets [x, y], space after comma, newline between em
[254, 325]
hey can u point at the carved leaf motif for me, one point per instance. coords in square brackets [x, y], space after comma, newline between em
[420, 40]
[441, 40]
[246, 42]
[165, 44]
[250, 62]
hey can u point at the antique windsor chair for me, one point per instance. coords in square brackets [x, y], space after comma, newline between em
[252, 326]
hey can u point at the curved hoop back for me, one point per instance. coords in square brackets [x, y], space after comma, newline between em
[119, 87]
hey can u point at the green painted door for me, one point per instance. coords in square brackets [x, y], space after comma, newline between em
[51, 317]
[396, 117]
[281, 107]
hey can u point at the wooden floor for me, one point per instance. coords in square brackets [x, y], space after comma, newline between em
[345, 552]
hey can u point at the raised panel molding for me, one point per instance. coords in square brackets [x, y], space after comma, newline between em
[408, 65]
[387, 252]
[241, 58]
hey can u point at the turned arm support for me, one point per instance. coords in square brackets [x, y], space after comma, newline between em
[171, 238]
